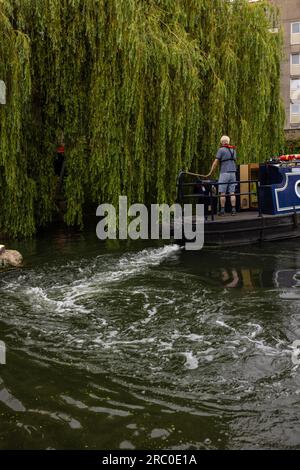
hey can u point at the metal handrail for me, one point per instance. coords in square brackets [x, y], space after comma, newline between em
[215, 183]
[219, 195]
[211, 195]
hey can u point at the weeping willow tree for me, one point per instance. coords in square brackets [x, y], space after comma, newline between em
[138, 88]
[18, 189]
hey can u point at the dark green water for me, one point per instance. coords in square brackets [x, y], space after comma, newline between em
[149, 347]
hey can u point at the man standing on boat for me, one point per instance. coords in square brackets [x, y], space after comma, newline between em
[226, 157]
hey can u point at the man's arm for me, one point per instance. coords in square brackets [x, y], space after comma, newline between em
[213, 167]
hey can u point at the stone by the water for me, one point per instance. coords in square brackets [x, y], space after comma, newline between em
[10, 258]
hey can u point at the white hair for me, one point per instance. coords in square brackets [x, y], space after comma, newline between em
[225, 140]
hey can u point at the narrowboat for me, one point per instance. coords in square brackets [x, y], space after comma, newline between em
[268, 203]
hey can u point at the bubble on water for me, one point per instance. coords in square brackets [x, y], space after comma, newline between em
[158, 433]
[132, 426]
[126, 445]
[224, 325]
[191, 361]
[258, 329]
[11, 401]
[151, 312]
[209, 358]
[194, 337]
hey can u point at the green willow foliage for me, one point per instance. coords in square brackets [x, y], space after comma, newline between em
[139, 88]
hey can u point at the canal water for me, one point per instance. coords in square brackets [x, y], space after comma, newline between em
[145, 346]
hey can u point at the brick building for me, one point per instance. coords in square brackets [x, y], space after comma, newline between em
[290, 68]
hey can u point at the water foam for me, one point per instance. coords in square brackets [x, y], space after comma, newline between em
[93, 277]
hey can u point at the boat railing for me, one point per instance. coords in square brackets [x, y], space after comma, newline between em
[212, 193]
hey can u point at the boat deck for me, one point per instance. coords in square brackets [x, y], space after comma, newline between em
[240, 216]
[245, 227]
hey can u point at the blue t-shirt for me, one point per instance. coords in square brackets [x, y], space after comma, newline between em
[227, 158]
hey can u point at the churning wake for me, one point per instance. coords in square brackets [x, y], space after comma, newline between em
[64, 289]
[151, 327]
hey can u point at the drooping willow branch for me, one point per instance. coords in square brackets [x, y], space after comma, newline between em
[139, 88]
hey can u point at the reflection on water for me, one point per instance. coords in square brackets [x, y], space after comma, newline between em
[142, 346]
[246, 269]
